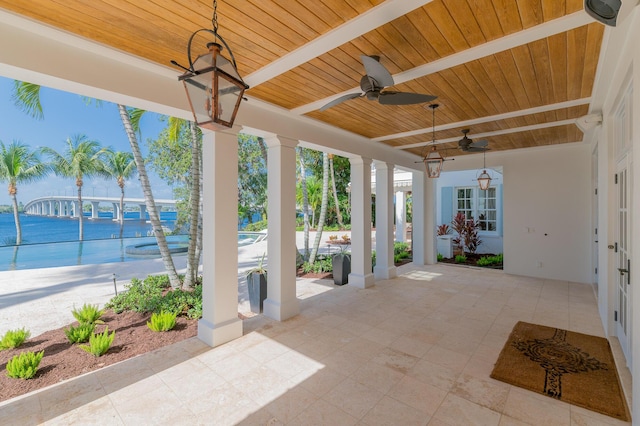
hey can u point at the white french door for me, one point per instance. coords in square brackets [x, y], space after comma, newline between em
[623, 256]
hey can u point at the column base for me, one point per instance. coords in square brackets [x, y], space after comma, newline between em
[362, 281]
[280, 311]
[384, 273]
[218, 334]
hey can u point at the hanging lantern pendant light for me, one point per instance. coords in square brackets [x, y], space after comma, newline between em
[484, 180]
[433, 161]
[212, 82]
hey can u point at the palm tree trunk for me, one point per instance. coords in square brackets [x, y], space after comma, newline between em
[121, 211]
[305, 203]
[154, 218]
[335, 192]
[16, 218]
[192, 266]
[80, 215]
[323, 207]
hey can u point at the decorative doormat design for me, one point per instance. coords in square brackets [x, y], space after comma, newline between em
[573, 367]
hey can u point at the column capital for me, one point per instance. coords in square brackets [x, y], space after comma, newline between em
[360, 160]
[276, 140]
[383, 165]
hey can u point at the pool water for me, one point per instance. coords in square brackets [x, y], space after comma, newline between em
[34, 256]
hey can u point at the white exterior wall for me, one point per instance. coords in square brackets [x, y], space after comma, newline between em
[546, 191]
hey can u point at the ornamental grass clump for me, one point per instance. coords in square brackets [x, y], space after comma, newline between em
[14, 338]
[88, 314]
[25, 365]
[164, 321]
[99, 343]
[79, 334]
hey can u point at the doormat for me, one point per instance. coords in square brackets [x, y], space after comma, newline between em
[573, 367]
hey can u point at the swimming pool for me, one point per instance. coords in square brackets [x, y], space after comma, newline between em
[34, 256]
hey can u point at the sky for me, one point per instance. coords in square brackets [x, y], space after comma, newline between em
[65, 115]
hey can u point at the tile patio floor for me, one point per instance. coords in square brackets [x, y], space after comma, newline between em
[415, 350]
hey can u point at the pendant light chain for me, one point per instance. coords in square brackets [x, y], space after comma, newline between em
[214, 20]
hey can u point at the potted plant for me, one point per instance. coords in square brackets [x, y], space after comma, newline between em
[257, 285]
[341, 264]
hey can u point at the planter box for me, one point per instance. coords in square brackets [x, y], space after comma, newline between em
[445, 246]
[341, 268]
[257, 284]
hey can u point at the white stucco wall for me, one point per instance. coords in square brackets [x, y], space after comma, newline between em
[547, 214]
[546, 191]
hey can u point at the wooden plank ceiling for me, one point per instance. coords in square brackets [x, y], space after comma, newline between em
[521, 93]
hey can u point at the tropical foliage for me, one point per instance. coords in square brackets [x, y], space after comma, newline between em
[18, 164]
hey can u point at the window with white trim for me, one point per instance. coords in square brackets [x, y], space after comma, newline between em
[478, 204]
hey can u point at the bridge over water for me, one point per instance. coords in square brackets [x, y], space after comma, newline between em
[67, 206]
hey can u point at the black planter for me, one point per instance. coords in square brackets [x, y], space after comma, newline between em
[257, 284]
[341, 268]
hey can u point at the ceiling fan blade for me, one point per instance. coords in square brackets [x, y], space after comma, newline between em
[339, 100]
[404, 98]
[480, 144]
[377, 71]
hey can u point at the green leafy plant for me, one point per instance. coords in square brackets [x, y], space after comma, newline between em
[490, 260]
[151, 295]
[440, 257]
[163, 321]
[321, 265]
[81, 333]
[260, 269]
[99, 343]
[25, 365]
[14, 338]
[460, 258]
[88, 314]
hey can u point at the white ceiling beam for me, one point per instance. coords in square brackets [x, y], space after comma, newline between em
[556, 26]
[362, 24]
[494, 133]
[487, 119]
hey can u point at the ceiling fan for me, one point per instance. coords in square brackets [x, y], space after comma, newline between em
[468, 145]
[373, 83]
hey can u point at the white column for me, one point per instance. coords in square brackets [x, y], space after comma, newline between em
[219, 323]
[281, 302]
[361, 275]
[401, 216]
[385, 268]
[424, 214]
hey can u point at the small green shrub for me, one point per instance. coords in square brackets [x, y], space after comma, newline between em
[440, 257]
[321, 265]
[81, 333]
[14, 338]
[147, 296]
[164, 321]
[460, 258]
[88, 314]
[256, 226]
[99, 343]
[401, 247]
[25, 365]
[490, 260]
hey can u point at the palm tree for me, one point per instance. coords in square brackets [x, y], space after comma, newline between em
[335, 192]
[131, 122]
[81, 158]
[305, 202]
[177, 125]
[121, 166]
[26, 96]
[323, 207]
[18, 164]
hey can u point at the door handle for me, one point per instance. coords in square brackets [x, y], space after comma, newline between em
[626, 271]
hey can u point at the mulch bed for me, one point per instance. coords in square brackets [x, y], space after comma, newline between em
[472, 260]
[62, 360]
